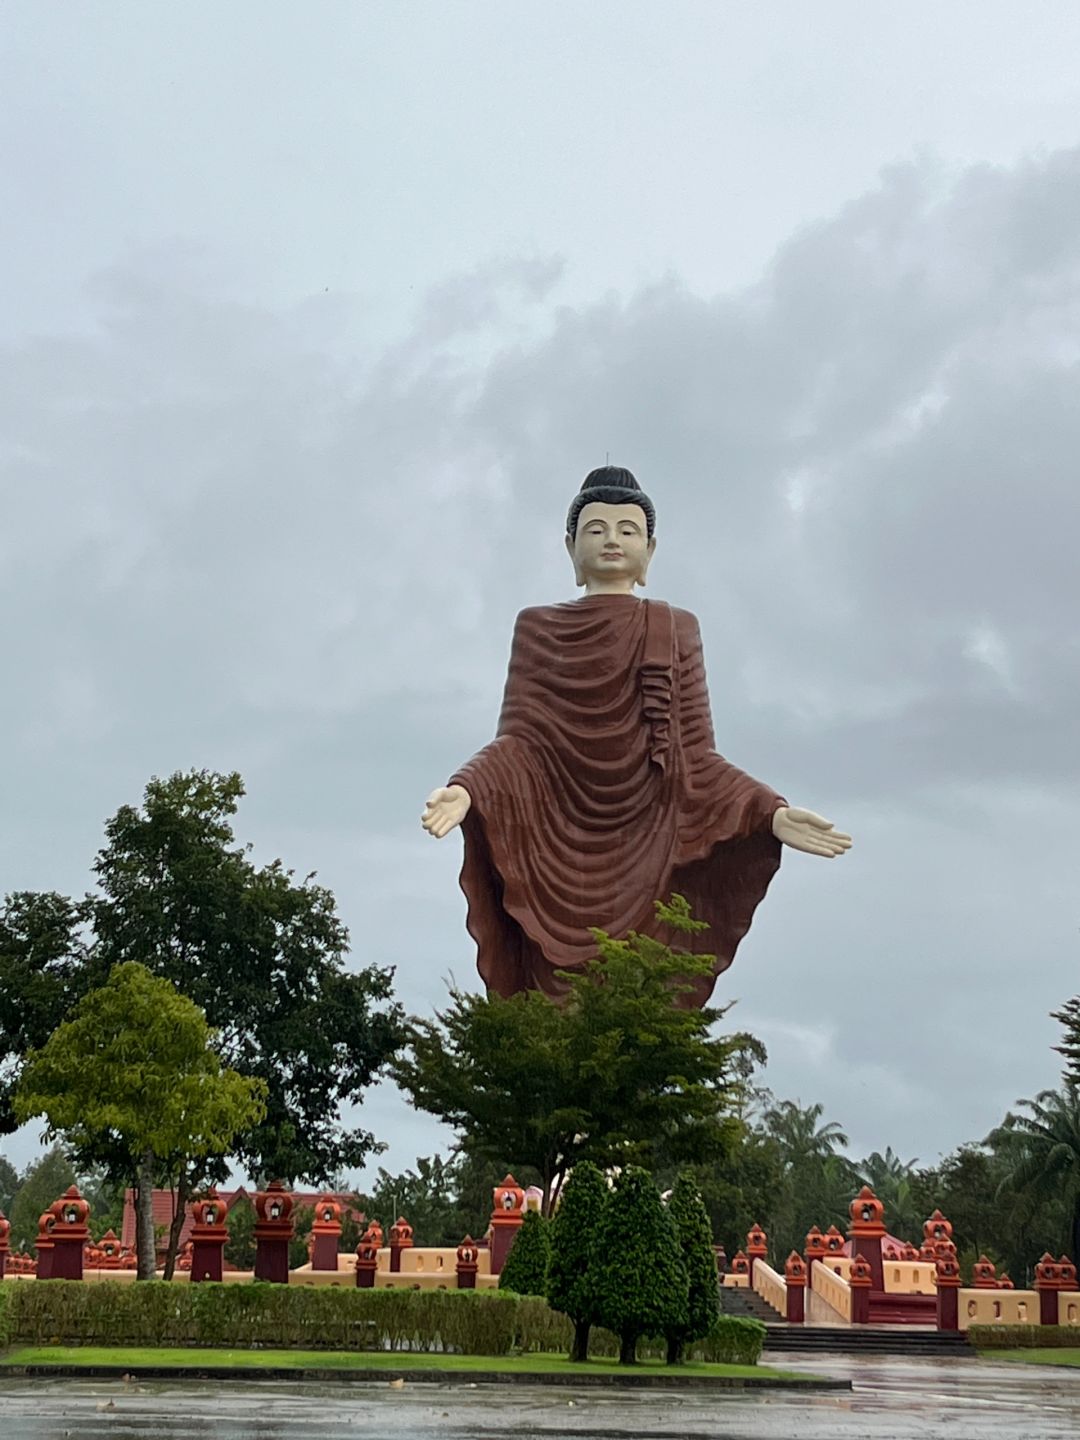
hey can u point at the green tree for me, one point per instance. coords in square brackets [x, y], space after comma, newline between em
[1069, 1016]
[133, 1076]
[816, 1182]
[43, 971]
[691, 1222]
[892, 1181]
[240, 1246]
[572, 1275]
[641, 1280]
[9, 1183]
[43, 1182]
[618, 1072]
[525, 1270]
[1041, 1151]
[263, 954]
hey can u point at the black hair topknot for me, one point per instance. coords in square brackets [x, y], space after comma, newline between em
[610, 485]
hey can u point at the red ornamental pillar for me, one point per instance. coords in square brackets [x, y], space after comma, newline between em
[468, 1262]
[861, 1280]
[506, 1220]
[326, 1234]
[43, 1244]
[740, 1264]
[866, 1232]
[947, 1279]
[815, 1250]
[367, 1257]
[401, 1238]
[983, 1274]
[5, 1247]
[70, 1234]
[273, 1231]
[109, 1246]
[208, 1237]
[757, 1248]
[1048, 1282]
[795, 1275]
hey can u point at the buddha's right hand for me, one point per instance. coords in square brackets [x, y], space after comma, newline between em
[446, 808]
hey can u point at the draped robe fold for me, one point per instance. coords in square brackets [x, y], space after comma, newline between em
[602, 793]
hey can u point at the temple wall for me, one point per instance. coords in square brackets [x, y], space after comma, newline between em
[998, 1307]
[909, 1277]
[771, 1286]
[832, 1287]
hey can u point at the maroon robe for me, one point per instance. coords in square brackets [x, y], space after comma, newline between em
[602, 793]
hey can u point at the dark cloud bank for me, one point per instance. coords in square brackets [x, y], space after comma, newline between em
[253, 538]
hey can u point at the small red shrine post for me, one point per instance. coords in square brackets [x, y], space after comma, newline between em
[506, 1221]
[43, 1243]
[326, 1234]
[795, 1276]
[209, 1237]
[815, 1250]
[401, 1238]
[1048, 1283]
[367, 1257]
[273, 1231]
[5, 1246]
[947, 1280]
[468, 1262]
[861, 1280]
[757, 1248]
[69, 1235]
[866, 1232]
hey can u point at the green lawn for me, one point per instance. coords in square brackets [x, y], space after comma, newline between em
[394, 1362]
[1036, 1356]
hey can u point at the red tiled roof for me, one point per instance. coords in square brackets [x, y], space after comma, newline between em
[164, 1208]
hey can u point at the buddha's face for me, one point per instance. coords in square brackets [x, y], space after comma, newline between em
[612, 549]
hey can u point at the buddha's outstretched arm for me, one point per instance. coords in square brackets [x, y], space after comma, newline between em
[446, 808]
[814, 835]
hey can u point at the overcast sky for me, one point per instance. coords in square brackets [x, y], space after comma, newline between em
[313, 317]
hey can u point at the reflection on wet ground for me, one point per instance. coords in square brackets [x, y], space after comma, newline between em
[962, 1399]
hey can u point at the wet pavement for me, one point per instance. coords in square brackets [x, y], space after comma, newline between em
[892, 1399]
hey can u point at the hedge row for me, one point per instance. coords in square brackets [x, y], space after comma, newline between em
[1025, 1337]
[64, 1312]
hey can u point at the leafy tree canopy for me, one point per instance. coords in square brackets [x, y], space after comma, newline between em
[525, 1270]
[619, 1071]
[641, 1279]
[572, 1274]
[132, 1079]
[692, 1230]
[44, 1181]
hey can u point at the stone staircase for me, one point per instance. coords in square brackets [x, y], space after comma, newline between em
[867, 1340]
[882, 1338]
[748, 1304]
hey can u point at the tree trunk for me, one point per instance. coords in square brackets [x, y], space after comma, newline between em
[579, 1349]
[144, 1219]
[674, 1350]
[628, 1350]
[182, 1193]
[1075, 1257]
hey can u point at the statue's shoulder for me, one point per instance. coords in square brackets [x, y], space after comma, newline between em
[686, 622]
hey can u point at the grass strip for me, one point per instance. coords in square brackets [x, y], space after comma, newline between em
[1035, 1356]
[395, 1362]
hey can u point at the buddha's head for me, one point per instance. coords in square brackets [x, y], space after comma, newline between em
[609, 532]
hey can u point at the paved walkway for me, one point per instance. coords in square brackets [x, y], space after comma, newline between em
[892, 1400]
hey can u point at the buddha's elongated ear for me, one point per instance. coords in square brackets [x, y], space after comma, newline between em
[579, 574]
[650, 551]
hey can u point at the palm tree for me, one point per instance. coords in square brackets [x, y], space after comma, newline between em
[1042, 1152]
[800, 1137]
[891, 1178]
[817, 1182]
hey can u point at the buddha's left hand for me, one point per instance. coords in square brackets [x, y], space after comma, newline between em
[813, 834]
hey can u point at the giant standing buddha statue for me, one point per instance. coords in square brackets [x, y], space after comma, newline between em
[602, 791]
